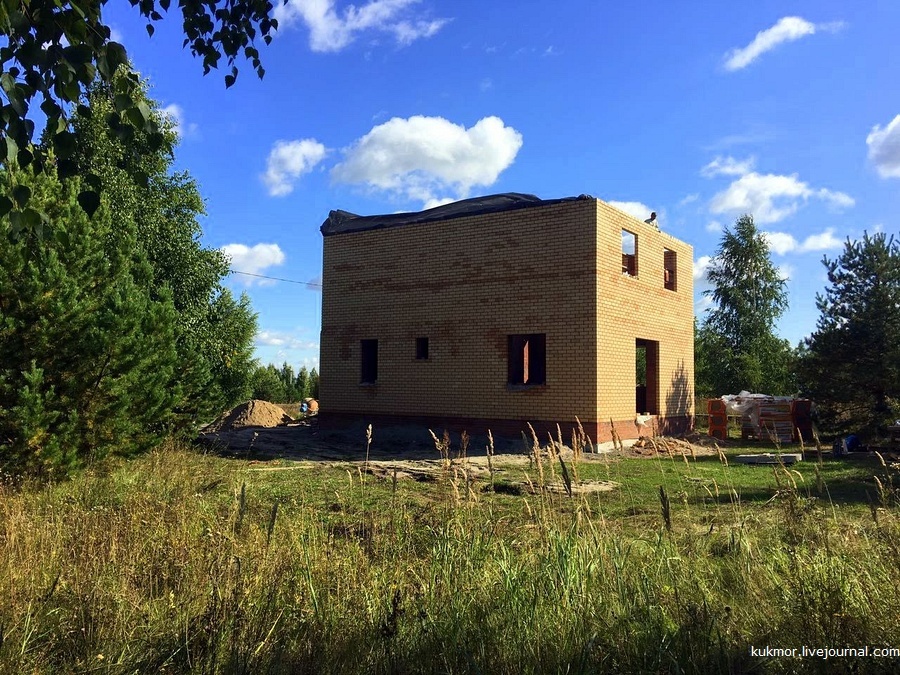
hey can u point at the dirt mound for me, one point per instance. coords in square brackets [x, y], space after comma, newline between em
[253, 413]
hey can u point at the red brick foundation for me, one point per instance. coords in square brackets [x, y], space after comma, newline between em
[599, 432]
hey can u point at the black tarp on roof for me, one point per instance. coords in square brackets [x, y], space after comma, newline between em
[341, 222]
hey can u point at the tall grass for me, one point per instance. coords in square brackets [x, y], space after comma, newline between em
[184, 563]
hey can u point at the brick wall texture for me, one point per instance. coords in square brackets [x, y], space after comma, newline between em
[467, 283]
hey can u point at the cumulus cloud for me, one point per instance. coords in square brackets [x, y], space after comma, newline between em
[420, 157]
[782, 243]
[176, 114]
[253, 260]
[884, 148]
[727, 166]
[271, 338]
[289, 160]
[788, 29]
[637, 209]
[331, 30]
[701, 265]
[769, 197]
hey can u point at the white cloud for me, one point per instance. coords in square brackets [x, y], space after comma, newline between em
[689, 199]
[788, 29]
[782, 243]
[786, 272]
[727, 166]
[434, 203]
[714, 226]
[330, 31]
[421, 156]
[884, 148]
[289, 160]
[701, 265]
[253, 260]
[771, 197]
[824, 241]
[271, 338]
[176, 113]
[486, 83]
[637, 209]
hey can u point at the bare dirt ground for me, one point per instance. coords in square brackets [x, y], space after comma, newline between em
[409, 452]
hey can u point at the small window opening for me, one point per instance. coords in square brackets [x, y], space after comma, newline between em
[670, 265]
[368, 362]
[527, 359]
[422, 348]
[629, 253]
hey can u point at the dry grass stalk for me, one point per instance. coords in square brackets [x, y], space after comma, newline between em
[368, 447]
[490, 457]
[536, 452]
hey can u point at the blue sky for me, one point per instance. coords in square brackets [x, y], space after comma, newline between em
[700, 111]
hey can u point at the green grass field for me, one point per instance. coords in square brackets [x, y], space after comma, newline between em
[185, 562]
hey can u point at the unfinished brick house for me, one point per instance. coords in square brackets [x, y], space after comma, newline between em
[490, 312]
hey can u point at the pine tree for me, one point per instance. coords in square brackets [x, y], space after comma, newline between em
[87, 353]
[851, 368]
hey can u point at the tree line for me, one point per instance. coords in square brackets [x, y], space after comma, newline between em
[280, 385]
[850, 364]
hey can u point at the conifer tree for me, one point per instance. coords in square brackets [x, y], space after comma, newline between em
[87, 352]
[851, 364]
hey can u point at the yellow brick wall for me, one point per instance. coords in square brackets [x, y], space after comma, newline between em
[467, 283]
[631, 307]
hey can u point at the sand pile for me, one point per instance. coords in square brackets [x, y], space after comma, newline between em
[253, 413]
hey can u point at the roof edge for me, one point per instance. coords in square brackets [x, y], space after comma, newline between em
[342, 222]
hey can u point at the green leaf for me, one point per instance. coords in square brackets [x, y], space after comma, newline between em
[93, 180]
[12, 148]
[84, 111]
[24, 157]
[150, 29]
[66, 168]
[21, 194]
[89, 201]
[64, 144]
[115, 56]
[135, 117]
[5, 205]
[229, 81]
[122, 102]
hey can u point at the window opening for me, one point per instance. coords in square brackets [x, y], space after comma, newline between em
[422, 348]
[527, 359]
[629, 253]
[368, 361]
[670, 265]
[646, 362]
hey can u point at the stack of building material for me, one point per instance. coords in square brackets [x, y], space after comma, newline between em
[718, 418]
[775, 421]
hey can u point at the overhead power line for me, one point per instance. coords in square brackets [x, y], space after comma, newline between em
[290, 281]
